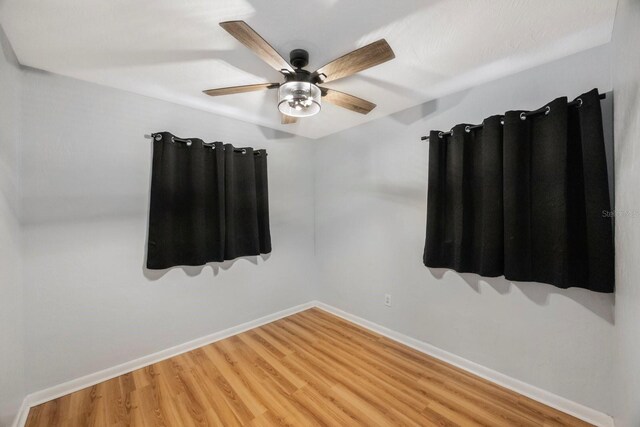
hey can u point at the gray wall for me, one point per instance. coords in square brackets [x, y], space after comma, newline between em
[370, 226]
[626, 79]
[85, 184]
[11, 302]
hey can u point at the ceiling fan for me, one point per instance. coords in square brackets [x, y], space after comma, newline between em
[300, 94]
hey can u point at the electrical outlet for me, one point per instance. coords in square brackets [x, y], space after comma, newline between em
[387, 300]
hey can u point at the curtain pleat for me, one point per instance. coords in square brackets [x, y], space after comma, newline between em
[207, 203]
[489, 244]
[241, 204]
[536, 203]
[262, 199]
[598, 263]
[457, 196]
[434, 252]
[523, 199]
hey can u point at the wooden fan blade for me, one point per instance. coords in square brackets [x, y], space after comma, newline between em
[360, 59]
[287, 120]
[248, 37]
[347, 101]
[240, 89]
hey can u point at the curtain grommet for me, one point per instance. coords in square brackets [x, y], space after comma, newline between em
[244, 151]
[451, 132]
[523, 116]
[547, 110]
[189, 143]
[579, 102]
[441, 135]
[467, 129]
[157, 137]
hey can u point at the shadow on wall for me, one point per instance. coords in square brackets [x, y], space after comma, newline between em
[398, 89]
[7, 50]
[420, 112]
[193, 271]
[601, 305]
[274, 134]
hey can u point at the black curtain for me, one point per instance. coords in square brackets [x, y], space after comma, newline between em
[209, 202]
[527, 199]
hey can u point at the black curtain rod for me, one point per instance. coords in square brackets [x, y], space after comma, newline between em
[158, 137]
[546, 110]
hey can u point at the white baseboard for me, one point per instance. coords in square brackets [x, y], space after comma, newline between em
[565, 405]
[560, 403]
[21, 416]
[65, 388]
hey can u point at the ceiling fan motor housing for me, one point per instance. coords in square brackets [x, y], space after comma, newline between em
[299, 58]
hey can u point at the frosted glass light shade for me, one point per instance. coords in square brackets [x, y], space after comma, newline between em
[299, 99]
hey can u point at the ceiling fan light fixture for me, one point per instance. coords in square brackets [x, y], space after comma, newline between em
[299, 99]
[300, 95]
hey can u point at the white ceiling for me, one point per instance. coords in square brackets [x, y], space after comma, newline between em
[172, 50]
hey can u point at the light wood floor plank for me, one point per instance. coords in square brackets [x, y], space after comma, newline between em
[308, 369]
